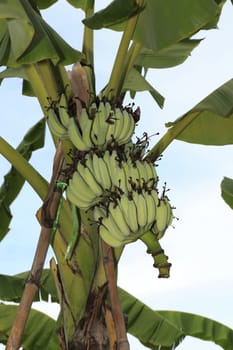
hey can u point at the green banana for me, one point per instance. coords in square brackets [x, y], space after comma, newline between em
[89, 178]
[85, 123]
[151, 203]
[119, 123]
[119, 217]
[128, 130]
[142, 214]
[55, 125]
[129, 209]
[63, 111]
[76, 136]
[76, 197]
[106, 235]
[100, 127]
[163, 216]
[85, 196]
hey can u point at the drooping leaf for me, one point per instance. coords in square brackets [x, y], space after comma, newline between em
[11, 287]
[201, 327]
[213, 123]
[227, 191]
[164, 330]
[136, 82]
[167, 57]
[13, 181]
[117, 12]
[153, 330]
[39, 333]
[26, 38]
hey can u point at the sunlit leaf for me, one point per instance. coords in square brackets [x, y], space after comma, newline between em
[13, 181]
[40, 331]
[213, 124]
[227, 191]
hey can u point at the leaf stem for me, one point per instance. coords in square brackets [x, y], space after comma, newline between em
[121, 65]
[170, 135]
[38, 183]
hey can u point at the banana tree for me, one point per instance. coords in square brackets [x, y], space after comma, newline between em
[103, 193]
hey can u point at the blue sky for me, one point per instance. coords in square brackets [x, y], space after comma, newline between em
[200, 245]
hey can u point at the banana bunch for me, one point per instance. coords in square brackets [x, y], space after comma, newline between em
[101, 127]
[133, 215]
[58, 118]
[98, 177]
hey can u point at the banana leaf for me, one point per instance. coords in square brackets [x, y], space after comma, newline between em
[227, 191]
[201, 327]
[42, 4]
[168, 57]
[167, 332]
[116, 13]
[136, 82]
[11, 287]
[213, 122]
[40, 331]
[82, 4]
[26, 38]
[13, 181]
[162, 330]
[160, 24]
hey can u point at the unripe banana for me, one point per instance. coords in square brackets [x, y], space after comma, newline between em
[129, 210]
[100, 127]
[85, 198]
[163, 216]
[76, 136]
[107, 236]
[55, 125]
[142, 214]
[90, 179]
[128, 128]
[119, 124]
[115, 210]
[63, 111]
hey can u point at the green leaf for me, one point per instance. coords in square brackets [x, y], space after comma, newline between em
[13, 181]
[44, 4]
[227, 191]
[39, 333]
[213, 124]
[161, 24]
[117, 12]
[83, 4]
[164, 330]
[11, 287]
[136, 82]
[26, 38]
[201, 327]
[168, 57]
[157, 332]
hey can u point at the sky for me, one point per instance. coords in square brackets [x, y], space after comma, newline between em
[200, 244]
